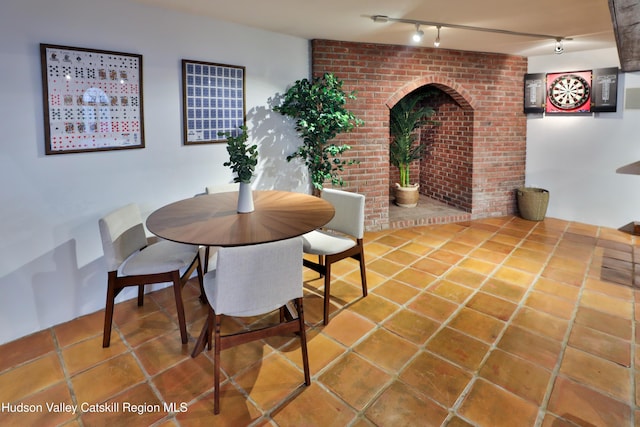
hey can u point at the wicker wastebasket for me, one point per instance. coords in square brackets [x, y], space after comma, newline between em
[532, 203]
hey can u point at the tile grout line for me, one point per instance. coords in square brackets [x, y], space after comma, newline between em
[361, 414]
[543, 406]
[149, 379]
[423, 347]
[453, 409]
[493, 346]
[67, 376]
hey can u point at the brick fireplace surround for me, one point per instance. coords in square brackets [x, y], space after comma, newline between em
[477, 158]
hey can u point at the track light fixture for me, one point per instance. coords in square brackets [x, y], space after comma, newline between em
[558, 48]
[417, 36]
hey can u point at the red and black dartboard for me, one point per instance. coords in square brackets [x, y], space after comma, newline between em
[570, 92]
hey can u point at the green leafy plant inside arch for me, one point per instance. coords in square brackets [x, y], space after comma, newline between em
[318, 108]
[405, 118]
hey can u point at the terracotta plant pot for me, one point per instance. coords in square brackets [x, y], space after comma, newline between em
[407, 197]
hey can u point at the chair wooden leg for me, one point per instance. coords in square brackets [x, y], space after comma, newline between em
[205, 335]
[363, 274]
[321, 259]
[303, 342]
[108, 311]
[177, 291]
[211, 317]
[140, 295]
[216, 365]
[327, 292]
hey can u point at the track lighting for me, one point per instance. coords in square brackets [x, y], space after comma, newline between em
[417, 36]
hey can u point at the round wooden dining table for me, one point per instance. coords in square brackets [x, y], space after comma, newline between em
[213, 220]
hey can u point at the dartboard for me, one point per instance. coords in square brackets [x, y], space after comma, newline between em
[569, 91]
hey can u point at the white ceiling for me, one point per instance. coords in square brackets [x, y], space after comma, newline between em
[587, 22]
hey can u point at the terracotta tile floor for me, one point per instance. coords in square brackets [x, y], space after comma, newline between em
[496, 322]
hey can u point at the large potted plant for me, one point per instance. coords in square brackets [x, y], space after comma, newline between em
[318, 107]
[405, 118]
[243, 159]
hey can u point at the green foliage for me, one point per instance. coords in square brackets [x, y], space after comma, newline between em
[318, 109]
[407, 116]
[242, 157]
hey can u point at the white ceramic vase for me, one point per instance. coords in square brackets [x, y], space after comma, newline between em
[245, 198]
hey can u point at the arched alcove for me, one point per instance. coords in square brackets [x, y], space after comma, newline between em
[446, 170]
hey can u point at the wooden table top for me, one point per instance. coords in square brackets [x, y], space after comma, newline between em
[212, 219]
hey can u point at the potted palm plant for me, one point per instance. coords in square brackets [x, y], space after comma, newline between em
[405, 117]
[243, 159]
[318, 107]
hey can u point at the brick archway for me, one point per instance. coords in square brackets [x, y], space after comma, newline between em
[451, 88]
[487, 88]
[445, 174]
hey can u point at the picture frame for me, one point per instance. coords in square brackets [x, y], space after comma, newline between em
[534, 93]
[605, 90]
[213, 101]
[93, 99]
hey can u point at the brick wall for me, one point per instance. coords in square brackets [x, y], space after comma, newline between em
[477, 157]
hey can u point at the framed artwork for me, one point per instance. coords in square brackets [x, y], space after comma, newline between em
[92, 99]
[534, 93]
[605, 90]
[569, 92]
[213, 101]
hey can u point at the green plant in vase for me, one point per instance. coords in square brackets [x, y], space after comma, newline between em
[243, 159]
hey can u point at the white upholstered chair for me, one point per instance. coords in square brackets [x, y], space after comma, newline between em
[251, 281]
[132, 261]
[340, 238]
[208, 253]
[223, 188]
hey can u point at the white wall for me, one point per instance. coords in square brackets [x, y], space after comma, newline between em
[576, 158]
[51, 261]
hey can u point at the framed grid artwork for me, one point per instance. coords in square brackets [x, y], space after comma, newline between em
[92, 99]
[213, 101]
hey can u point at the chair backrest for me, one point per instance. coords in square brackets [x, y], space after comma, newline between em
[349, 217]
[122, 234]
[256, 279]
[223, 188]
